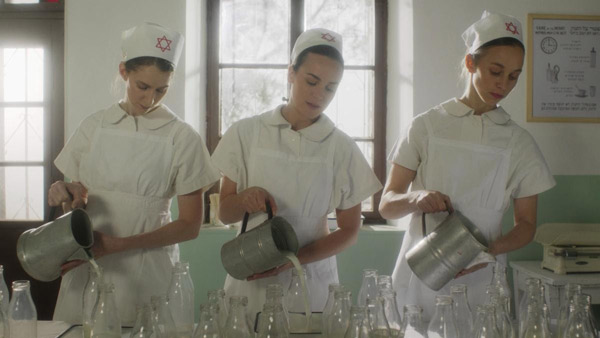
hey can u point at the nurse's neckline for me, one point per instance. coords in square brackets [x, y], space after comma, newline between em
[298, 125]
[122, 106]
[476, 112]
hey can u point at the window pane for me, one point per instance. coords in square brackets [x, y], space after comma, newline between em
[249, 92]
[21, 193]
[367, 148]
[35, 74]
[22, 134]
[352, 107]
[23, 70]
[14, 69]
[254, 31]
[353, 19]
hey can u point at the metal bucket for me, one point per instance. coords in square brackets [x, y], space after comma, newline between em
[439, 256]
[260, 249]
[44, 249]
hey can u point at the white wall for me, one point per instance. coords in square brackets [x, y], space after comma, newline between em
[93, 51]
[424, 70]
[424, 50]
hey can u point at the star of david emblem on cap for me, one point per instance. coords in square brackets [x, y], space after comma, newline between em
[327, 37]
[160, 43]
[511, 28]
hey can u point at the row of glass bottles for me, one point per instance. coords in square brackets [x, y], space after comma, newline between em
[20, 319]
[171, 315]
[575, 318]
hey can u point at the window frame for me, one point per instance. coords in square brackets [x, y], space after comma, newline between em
[52, 16]
[296, 28]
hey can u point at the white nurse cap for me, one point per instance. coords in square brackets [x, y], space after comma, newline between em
[491, 27]
[316, 37]
[150, 39]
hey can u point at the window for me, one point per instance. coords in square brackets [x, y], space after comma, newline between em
[31, 108]
[249, 43]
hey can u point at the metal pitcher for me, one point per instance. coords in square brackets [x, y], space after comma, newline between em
[259, 249]
[439, 256]
[44, 249]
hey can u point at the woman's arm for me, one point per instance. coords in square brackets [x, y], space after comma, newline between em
[348, 225]
[397, 202]
[185, 228]
[233, 205]
[525, 217]
[348, 221]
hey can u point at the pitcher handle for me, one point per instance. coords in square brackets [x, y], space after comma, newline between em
[247, 215]
[449, 210]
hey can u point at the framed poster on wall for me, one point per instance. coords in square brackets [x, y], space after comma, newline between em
[563, 70]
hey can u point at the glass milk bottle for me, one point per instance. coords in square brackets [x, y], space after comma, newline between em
[274, 296]
[161, 314]
[485, 323]
[217, 297]
[295, 301]
[442, 324]
[208, 323]
[359, 326]
[412, 322]
[368, 288]
[106, 322]
[3, 320]
[4, 289]
[181, 299]
[500, 281]
[534, 325]
[390, 309]
[144, 326]
[565, 307]
[237, 325]
[272, 323]
[22, 314]
[338, 320]
[329, 306]
[90, 296]
[384, 282]
[378, 324]
[503, 320]
[579, 324]
[462, 310]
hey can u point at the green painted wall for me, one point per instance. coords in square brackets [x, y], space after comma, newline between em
[574, 199]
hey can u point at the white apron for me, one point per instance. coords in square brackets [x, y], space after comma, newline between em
[302, 188]
[127, 175]
[452, 168]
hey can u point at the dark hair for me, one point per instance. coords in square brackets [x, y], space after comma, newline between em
[321, 50]
[162, 64]
[497, 42]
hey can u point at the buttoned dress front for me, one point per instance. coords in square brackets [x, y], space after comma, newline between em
[132, 168]
[309, 173]
[481, 163]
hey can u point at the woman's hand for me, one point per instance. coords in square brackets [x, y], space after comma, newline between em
[430, 201]
[471, 270]
[69, 195]
[106, 245]
[103, 245]
[269, 273]
[254, 199]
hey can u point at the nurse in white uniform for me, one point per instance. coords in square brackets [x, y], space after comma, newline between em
[126, 162]
[467, 154]
[295, 157]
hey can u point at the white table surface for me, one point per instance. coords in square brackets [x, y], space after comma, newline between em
[55, 329]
